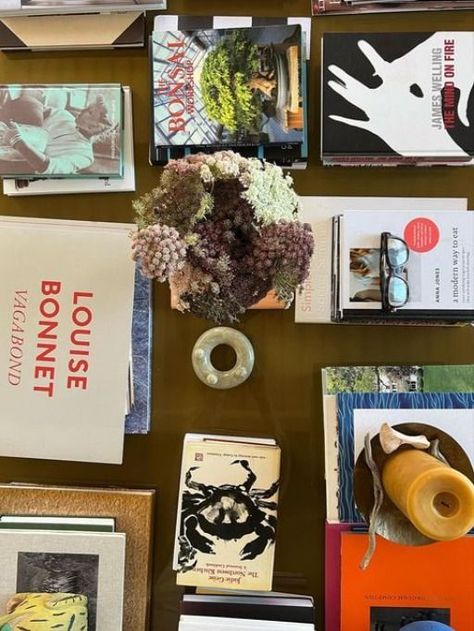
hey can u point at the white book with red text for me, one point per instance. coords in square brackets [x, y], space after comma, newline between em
[65, 334]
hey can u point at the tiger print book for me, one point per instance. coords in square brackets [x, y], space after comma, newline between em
[227, 512]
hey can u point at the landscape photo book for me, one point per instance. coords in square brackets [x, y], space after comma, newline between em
[398, 98]
[227, 512]
[65, 338]
[87, 564]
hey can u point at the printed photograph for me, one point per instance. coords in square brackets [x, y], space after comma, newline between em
[365, 275]
[395, 618]
[45, 572]
[228, 86]
[60, 130]
[374, 379]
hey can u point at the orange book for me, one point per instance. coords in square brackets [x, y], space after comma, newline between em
[406, 581]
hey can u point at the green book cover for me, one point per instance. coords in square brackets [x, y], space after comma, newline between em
[439, 378]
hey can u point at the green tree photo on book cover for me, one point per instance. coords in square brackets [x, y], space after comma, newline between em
[230, 82]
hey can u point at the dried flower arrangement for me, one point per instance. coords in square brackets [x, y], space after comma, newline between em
[223, 230]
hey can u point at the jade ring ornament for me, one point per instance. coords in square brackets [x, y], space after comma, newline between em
[202, 362]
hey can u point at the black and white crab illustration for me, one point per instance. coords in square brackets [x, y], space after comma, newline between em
[227, 512]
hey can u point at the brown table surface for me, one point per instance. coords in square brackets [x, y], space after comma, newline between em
[282, 398]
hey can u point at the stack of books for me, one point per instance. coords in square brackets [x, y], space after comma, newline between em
[331, 7]
[356, 399]
[344, 283]
[91, 543]
[72, 138]
[401, 266]
[77, 377]
[246, 611]
[229, 83]
[36, 25]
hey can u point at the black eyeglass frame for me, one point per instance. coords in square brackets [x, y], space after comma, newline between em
[388, 271]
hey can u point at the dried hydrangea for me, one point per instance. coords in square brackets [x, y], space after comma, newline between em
[269, 192]
[159, 250]
[222, 229]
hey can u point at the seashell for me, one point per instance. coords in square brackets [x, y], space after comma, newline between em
[391, 440]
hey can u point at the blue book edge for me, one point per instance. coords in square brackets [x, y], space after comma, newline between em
[138, 420]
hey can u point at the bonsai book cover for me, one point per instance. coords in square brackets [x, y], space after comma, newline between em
[227, 515]
[240, 86]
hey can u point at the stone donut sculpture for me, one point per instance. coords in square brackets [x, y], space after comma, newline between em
[208, 373]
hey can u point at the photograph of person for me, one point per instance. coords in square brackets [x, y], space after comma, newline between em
[57, 130]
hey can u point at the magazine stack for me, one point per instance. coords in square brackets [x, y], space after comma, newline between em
[229, 87]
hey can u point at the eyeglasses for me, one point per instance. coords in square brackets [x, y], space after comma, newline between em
[394, 254]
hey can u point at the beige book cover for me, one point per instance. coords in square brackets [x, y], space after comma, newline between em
[65, 334]
[90, 565]
[53, 32]
[227, 513]
[133, 512]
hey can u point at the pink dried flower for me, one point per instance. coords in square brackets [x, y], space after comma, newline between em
[160, 251]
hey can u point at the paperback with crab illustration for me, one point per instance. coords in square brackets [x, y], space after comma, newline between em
[227, 512]
[398, 98]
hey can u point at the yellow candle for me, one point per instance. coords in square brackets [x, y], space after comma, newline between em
[438, 500]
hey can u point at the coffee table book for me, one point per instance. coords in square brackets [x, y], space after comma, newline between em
[71, 130]
[103, 184]
[133, 512]
[65, 334]
[90, 564]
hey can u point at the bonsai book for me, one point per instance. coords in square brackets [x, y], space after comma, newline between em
[227, 512]
[398, 98]
[231, 86]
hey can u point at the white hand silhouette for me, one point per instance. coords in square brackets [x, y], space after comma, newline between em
[400, 110]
